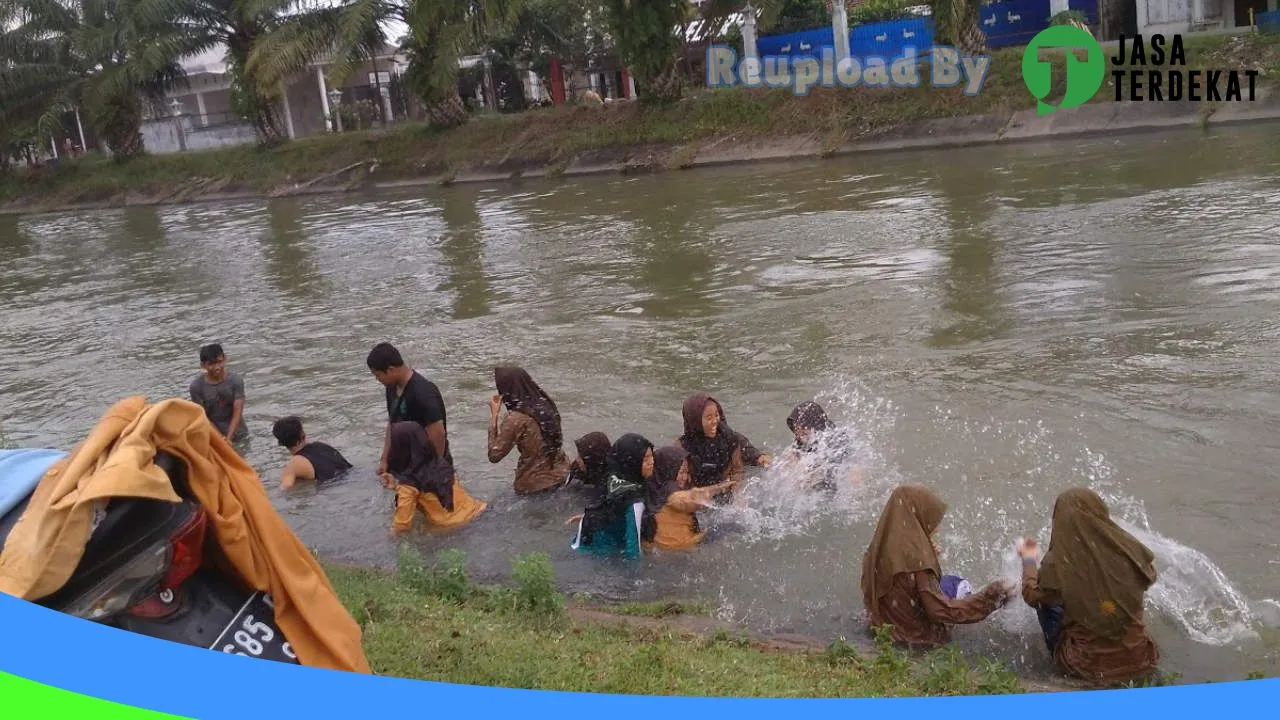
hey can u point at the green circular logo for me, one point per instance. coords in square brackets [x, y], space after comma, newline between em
[1084, 78]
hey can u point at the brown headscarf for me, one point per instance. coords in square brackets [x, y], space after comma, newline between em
[412, 461]
[901, 543]
[710, 456]
[521, 394]
[659, 486]
[1100, 571]
[593, 450]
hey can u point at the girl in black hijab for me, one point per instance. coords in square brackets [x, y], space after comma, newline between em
[671, 506]
[611, 524]
[817, 441]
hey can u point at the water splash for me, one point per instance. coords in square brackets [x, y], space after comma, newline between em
[1026, 465]
[781, 501]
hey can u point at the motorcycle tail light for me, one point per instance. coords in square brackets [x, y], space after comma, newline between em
[187, 546]
[123, 587]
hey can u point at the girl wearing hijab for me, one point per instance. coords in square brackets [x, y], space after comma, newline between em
[815, 435]
[422, 482]
[591, 467]
[532, 425]
[901, 575]
[1089, 591]
[611, 523]
[717, 453]
[670, 506]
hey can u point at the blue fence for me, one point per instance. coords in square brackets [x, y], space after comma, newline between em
[1005, 23]
[1268, 22]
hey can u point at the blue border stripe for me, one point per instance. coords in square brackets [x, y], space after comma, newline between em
[102, 662]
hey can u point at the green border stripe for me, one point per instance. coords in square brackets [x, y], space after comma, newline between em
[25, 699]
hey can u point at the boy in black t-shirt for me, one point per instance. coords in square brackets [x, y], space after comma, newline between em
[410, 396]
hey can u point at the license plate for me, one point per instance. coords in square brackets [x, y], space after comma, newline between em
[253, 633]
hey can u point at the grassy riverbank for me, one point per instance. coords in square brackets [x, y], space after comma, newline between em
[628, 134]
[429, 622]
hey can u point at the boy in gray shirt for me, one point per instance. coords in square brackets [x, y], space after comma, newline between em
[220, 393]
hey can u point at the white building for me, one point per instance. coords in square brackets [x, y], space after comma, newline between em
[1168, 17]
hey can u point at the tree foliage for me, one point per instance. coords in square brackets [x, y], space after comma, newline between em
[645, 35]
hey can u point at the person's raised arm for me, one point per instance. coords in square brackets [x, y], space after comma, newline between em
[502, 438]
[971, 609]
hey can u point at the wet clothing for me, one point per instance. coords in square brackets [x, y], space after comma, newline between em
[593, 455]
[117, 460]
[421, 402]
[921, 613]
[713, 460]
[901, 575]
[326, 461]
[218, 401]
[611, 523]
[1098, 574]
[522, 395]
[822, 439]
[537, 470]
[408, 499]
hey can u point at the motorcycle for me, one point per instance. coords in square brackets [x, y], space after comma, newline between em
[153, 568]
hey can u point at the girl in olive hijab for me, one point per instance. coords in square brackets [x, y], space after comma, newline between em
[532, 425]
[1089, 590]
[901, 575]
[717, 453]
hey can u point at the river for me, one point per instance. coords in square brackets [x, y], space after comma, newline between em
[999, 323]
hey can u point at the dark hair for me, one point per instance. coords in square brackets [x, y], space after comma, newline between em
[288, 431]
[383, 357]
[211, 352]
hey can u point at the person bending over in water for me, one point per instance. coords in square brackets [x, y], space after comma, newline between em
[670, 506]
[1088, 592]
[310, 460]
[717, 453]
[423, 482]
[532, 425]
[591, 467]
[817, 439]
[901, 575]
[611, 523]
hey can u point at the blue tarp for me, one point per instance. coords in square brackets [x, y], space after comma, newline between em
[20, 472]
[1268, 22]
[1005, 23]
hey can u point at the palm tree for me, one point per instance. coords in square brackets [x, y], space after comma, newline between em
[106, 56]
[439, 30]
[645, 33]
[239, 26]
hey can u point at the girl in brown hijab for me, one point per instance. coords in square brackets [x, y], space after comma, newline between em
[532, 425]
[670, 506]
[901, 574]
[717, 453]
[423, 482]
[1088, 592]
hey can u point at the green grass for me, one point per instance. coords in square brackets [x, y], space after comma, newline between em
[555, 137]
[422, 622]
